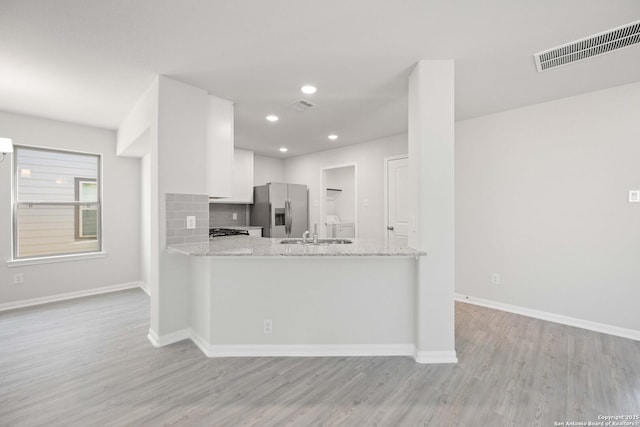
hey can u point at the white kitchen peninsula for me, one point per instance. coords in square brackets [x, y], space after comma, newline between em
[325, 300]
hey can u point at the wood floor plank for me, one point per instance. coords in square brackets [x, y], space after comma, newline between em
[88, 362]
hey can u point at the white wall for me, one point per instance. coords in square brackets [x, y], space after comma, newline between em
[145, 221]
[137, 136]
[431, 203]
[267, 169]
[541, 198]
[121, 213]
[369, 157]
[179, 157]
[134, 134]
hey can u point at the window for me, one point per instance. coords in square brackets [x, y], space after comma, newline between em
[86, 219]
[57, 208]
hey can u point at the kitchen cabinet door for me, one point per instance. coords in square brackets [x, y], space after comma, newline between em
[241, 178]
[219, 147]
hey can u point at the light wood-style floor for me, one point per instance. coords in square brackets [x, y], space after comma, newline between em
[87, 362]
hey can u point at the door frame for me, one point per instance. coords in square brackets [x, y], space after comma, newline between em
[322, 213]
[386, 190]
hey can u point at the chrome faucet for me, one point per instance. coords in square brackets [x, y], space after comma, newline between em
[315, 234]
[305, 236]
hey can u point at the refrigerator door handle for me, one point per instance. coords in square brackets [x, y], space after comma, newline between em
[290, 217]
[271, 217]
[287, 217]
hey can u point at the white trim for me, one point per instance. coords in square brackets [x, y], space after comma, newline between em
[145, 288]
[552, 317]
[200, 342]
[266, 350]
[52, 259]
[66, 296]
[173, 337]
[435, 356]
[317, 350]
[153, 338]
[56, 258]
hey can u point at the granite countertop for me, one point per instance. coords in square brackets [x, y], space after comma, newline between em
[242, 227]
[265, 247]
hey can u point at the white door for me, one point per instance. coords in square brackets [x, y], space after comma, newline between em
[397, 202]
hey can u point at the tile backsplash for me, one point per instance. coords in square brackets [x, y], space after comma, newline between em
[221, 214]
[179, 206]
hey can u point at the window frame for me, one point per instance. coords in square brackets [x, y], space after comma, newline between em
[15, 203]
[79, 209]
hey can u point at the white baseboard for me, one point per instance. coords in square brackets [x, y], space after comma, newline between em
[161, 341]
[435, 356]
[308, 350]
[268, 350]
[552, 317]
[70, 295]
[145, 287]
[200, 342]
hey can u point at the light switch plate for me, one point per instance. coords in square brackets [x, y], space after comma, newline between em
[634, 196]
[191, 222]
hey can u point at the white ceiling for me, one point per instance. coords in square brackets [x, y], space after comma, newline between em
[89, 61]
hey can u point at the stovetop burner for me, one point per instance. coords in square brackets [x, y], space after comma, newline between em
[219, 232]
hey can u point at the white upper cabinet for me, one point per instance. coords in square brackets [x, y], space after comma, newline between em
[241, 178]
[219, 147]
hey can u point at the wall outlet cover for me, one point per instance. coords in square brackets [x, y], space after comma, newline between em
[267, 326]
[634, 196]
[191, 222]
[495, 278]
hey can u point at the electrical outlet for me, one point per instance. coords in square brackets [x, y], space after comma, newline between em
[495, 278]
[365, 203]
[191, 222]
[267, 326]
[235, 216]
[634, 196]
[18, 278]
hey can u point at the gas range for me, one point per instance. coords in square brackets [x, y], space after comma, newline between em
[221, 232]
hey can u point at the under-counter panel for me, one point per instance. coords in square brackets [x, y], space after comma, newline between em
[332, 306]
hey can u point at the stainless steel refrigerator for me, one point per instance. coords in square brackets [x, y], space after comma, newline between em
[282, 210]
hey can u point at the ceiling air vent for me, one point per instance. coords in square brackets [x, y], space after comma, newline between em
[301, 105]
[607, 41]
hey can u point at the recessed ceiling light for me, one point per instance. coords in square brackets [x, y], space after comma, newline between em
[333, 137]
[308, 89]
[284, 149]
[272, 118]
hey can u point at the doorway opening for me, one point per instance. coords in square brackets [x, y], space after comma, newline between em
[338, 201]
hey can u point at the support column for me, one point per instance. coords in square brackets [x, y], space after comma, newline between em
[431, 174]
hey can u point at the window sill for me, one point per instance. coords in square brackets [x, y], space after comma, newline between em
[54, 259]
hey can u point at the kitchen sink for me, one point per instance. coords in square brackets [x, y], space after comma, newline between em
[336, 241]
[320, 242]
[291, 242]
